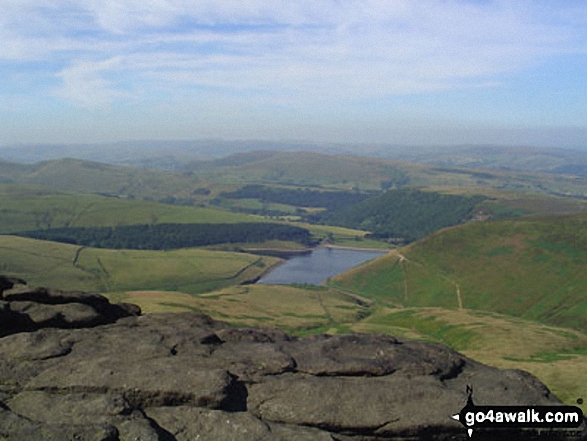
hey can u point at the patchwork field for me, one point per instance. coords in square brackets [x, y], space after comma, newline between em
[30, 208]
[25, 208]
[70, 267]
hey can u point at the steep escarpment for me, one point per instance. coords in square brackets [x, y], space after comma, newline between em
[111, 374]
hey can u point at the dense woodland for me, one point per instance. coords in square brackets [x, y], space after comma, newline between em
[172, 236]
[300, 198]
[402, 214]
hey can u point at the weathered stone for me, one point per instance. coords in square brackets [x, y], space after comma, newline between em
[28, 309]
[352, 403]
[285, 432]
[7, 283]
[12, 321]
[138, 428]
[16, 428]
[255, 335]
[52, 297]
[70, 409]
[160, 381]
[251, 361]
[192, 423]
[41, 345]
[71, 315]
[367, 355]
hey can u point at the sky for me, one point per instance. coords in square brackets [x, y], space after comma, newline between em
[406, 72]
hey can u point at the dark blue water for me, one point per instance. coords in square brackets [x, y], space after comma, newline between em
[314, 268]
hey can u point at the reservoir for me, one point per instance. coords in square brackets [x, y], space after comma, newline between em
[315, 267]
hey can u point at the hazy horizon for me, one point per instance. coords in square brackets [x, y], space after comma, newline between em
[403, 72]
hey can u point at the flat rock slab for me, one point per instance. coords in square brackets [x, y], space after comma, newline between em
[189, 423]
[160, 381]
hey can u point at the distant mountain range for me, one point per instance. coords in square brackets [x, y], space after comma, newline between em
[175, 155]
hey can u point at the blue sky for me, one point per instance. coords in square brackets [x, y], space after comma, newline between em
[396, 71]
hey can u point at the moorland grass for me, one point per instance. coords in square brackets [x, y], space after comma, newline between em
[291, 308]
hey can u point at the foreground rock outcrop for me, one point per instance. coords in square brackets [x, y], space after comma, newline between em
[75, 367]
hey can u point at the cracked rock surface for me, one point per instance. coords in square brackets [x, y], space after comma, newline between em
[75, 367]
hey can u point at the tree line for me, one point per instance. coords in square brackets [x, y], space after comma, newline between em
[172, 236]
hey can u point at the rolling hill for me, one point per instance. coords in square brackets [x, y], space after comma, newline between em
[533, 268]
[95, 177]
[348, 172]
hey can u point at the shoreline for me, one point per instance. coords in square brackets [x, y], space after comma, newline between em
[277, 252]
[348, 247]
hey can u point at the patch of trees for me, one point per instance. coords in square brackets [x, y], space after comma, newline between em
[299, 197]
[172, 236]
[402, 214]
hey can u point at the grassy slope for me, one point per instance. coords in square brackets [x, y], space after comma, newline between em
[64, 266]
[291, 308]
[530, 268]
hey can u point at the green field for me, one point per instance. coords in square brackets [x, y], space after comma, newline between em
[29, 208]
[70, 267]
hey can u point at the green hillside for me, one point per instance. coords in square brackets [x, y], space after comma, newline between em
[29, 208]
[71, 267]
[94, 177]
[532, 268]
[303, 168]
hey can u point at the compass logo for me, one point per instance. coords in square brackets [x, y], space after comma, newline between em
[516, 417]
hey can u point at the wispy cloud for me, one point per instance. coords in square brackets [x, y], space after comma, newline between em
[109, 50]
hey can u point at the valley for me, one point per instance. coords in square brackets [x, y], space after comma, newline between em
[490, 262]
